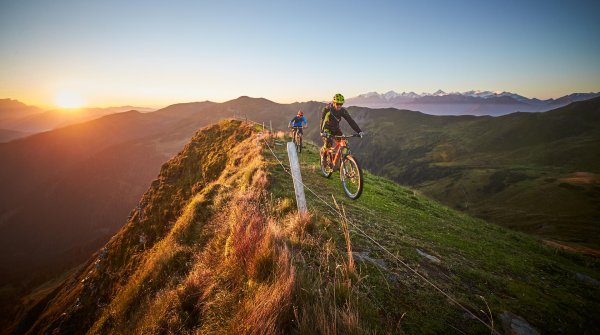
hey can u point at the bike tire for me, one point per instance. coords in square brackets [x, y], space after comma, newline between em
[299, 144]
[351, 177]
[326, 169]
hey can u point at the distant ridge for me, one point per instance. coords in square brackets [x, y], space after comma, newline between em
[12, 109]
[466, 103]
[26, 120]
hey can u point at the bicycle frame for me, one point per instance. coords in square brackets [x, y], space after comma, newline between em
[338, 149]
[295, 130]
[341, 148]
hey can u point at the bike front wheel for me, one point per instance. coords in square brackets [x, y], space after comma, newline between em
[299, 143]
[352, 177]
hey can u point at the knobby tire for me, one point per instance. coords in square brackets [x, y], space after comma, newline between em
[326, 168]
[351, 177]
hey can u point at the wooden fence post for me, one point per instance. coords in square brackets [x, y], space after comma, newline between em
[298, 186]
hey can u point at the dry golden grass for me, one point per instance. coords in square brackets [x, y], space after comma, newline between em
[582, 178]
[236, 261]
[269, 310]
[344, 223]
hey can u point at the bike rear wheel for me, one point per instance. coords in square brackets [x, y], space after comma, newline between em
[326, 166]
[352, 177]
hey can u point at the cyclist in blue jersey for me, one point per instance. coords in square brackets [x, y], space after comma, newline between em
[299, 121]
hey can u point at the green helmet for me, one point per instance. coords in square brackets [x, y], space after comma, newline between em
[338, 99]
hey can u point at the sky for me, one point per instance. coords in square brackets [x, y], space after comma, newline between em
[156, 53]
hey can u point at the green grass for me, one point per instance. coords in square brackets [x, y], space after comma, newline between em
[494, 167]
[512, 271]
[534, 201]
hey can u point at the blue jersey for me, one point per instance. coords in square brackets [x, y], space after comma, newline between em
[297, 121]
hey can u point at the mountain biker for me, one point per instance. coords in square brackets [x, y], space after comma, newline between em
[297, 122]
[330, 120]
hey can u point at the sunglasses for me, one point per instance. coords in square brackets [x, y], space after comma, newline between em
[337, 105]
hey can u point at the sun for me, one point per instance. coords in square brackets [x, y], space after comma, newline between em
[68, 100]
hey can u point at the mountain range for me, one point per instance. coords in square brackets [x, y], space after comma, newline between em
[19, 120]
[465, 103]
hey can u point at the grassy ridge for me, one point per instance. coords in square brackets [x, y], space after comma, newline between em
[512, 271]
[220, 255]
[77, 304]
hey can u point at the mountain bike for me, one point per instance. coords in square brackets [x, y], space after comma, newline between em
[351, 174]
[297, 138]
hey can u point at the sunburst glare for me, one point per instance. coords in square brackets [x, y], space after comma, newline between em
[68, 100]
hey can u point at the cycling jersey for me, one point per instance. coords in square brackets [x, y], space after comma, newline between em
[330, 120]
[297, 121]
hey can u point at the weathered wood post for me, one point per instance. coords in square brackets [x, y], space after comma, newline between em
[298, 187]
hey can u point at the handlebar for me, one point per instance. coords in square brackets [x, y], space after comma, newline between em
[342, 136]
[346, 136]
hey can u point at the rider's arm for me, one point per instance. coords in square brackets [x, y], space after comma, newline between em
[351, 121]
[304, 120]
[325, 110]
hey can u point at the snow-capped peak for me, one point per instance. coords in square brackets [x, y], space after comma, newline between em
[478, 94]
[410, 94]
[369, 95]
[390, 95]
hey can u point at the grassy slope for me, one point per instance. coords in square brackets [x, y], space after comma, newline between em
[510, 270]
[510, 170]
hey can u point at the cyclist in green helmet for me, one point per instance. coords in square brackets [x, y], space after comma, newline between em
[330, 120]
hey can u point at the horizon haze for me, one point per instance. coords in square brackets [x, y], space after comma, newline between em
[73, 54]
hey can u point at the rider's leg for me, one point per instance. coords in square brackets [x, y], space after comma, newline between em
[327, 142]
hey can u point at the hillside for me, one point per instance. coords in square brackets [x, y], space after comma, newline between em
[13, 109]
[534, 172]
[25, 120]
[9, 135]
[215, 246]
[66, 192]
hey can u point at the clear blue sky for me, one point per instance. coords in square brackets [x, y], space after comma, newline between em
[154, 53]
